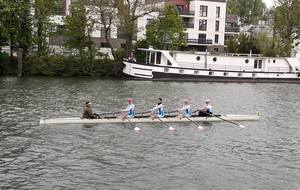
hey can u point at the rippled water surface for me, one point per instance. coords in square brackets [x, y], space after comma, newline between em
[264, 155]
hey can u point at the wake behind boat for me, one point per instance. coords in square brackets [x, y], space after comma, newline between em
[146, 119]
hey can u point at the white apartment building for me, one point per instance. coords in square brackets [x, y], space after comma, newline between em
[204, 22]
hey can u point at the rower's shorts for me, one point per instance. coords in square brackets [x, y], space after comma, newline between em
[187, 115]
[159, 116]
[130, 116]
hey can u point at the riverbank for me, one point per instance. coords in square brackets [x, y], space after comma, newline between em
[59, 65]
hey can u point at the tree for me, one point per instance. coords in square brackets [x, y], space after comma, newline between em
[286, 23]
[129, 11]
[78, 30]
[249, 11]
[43, 9]
[106, 12]
[18, 34]
[167, 32]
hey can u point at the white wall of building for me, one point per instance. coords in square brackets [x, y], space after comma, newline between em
[211, 20]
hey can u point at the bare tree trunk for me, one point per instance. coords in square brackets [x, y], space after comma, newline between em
[20, 62]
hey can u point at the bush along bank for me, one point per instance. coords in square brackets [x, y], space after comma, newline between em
[57, 65]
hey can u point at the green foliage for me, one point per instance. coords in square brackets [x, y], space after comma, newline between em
[76, 31]
[249, 11]
[15, 24]
[167, 32]
[286, 23]
[262, 44]
[141, 55]
[43, 9]
[56, 65]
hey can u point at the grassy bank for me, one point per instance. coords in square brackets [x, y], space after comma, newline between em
[57, 65]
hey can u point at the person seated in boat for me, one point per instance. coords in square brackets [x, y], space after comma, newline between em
[88, 112]
[158, 110]
[185, 111]
[129, 112]
[206, 110]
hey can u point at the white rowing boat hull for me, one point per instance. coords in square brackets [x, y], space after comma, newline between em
[77, 120]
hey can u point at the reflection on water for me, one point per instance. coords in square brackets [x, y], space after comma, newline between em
[264, 155]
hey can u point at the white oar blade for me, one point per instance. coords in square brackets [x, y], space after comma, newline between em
[200, 127]
[137, 129]
[172, 129]
[242, 126]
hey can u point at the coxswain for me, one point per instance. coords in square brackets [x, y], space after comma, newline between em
[158, 110]
[129, 112]
[186, 110]
[88, 112]
[206, 110]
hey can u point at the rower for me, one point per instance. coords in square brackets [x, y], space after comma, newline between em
[129, 112]
[186, 109]
[206, 111]
[88, 112]
[158, 110]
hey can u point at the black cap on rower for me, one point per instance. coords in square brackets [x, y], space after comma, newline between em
[160, 99]
[87, 103]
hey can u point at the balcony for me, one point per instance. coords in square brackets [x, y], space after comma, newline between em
[200, 41]
[232, 29]
[188, 25]
[187, 13]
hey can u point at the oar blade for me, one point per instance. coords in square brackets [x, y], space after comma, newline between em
[242, 126]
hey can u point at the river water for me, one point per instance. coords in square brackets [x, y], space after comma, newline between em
[264, 155]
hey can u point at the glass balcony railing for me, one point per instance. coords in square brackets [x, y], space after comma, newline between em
[188, 25]
[200, 41]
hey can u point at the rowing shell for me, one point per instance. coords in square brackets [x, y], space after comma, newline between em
[78, 120]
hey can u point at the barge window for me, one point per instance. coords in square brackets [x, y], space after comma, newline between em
[158, 58]
[260, 64]
[166, 70]
[274, 61]
[198, 58]
[211, 73]
[255, 64]
[247, 61]
[240, 74]
[196, 72]
[181, 71]
[225, 74]
[214, 59]
[152, 59]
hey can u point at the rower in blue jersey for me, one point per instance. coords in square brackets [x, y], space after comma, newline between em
[186, 110]
[129, 112]
[158, 110]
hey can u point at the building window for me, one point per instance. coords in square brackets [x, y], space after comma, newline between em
[217, 26]
[216, 39]
[218, 12]
[202, 25]
[203, 11]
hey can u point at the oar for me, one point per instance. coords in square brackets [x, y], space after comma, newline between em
[135, 127]
[170, 127]
[196, 124]
[237, 124]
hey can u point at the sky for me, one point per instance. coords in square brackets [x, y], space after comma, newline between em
[269, 3]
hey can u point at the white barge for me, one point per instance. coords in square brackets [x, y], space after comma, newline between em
[201, 66]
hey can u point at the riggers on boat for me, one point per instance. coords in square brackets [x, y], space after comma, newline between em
[145, 119]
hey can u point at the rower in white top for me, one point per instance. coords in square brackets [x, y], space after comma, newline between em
[158, 110]
[206, 110]
[185, 110]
